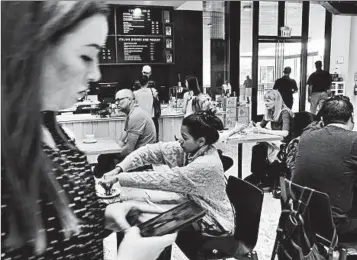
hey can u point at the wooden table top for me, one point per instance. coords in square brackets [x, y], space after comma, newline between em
[102, 146]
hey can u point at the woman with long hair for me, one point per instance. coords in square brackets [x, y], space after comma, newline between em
[49, 206]
[265, 154]
[188, 104]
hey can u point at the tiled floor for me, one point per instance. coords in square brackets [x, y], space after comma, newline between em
[269, 219]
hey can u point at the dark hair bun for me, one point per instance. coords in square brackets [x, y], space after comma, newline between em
[203, 124]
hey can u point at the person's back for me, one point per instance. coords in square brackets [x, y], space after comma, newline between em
[144, 98]
[320, 81]
[145, 126]
[327, 161]
[324, 162]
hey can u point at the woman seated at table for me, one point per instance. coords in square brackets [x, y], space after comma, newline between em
[264, 154]
[205, 103]
[195, 172]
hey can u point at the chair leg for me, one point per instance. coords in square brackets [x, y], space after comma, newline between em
[343, 254]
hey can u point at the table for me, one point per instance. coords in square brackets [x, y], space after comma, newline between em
[250, 138]
[102, 146]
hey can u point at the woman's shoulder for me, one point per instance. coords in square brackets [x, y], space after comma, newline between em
[286, 113]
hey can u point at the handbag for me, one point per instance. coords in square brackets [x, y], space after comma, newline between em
[156, 105]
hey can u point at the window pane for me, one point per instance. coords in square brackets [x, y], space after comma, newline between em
[293, 17]
[246, 33]
[316, 44]
[268, 18]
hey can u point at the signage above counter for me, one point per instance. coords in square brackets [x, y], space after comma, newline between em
[139, 35]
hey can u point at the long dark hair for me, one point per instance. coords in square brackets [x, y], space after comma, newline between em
[193, 85]
[28, 29]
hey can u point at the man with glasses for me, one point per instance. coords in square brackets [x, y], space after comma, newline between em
[139, 130]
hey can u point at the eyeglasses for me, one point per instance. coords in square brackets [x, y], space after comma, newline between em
[120, 99]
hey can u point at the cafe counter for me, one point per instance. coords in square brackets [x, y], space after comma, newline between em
[84, 124]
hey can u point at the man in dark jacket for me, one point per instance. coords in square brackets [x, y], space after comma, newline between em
[326, 160]
[319, 87]
[287, 87]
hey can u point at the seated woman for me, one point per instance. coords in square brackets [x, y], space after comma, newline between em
[264, 154]
[196, 172]
[204, 103]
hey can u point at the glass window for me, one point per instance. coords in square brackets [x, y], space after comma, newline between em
[293, 17]
[316, 44]
[246, 45]
[268, 18]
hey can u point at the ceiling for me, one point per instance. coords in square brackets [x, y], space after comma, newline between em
[341, 7]
[174, 4]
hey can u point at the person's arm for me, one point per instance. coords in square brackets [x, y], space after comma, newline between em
[285, 128]
[122, 138]
[149, 154]
[352, 161]
[129, 146]
[189, 179]
[295, 88]
[226, 134]
[262, 124]
[275, 85]
[184, 103]
[309, 89]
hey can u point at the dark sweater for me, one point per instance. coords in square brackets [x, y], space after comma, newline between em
[327, 161]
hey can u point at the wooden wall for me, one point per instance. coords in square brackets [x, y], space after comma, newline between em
[188, 56]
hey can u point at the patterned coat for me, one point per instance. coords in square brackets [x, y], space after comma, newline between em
[200, 178]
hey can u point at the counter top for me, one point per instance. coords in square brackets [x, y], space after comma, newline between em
[64, 118]
[88, 117]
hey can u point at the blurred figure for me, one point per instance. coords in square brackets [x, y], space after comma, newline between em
[49, 206]
[286, 87]
[319, 87]
[227, 88]
[248, 83]
[188, 104]
[326, 160]
[139, 130]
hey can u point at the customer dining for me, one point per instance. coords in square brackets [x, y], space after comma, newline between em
[111, 117]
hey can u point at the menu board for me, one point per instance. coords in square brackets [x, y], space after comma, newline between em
[140, 35]
[147, 21]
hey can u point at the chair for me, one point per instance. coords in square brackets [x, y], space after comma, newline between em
[300, 121]
[318, 220]
[247, 201]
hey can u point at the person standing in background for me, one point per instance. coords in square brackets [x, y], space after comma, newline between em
[287, 87]
[319, 87]
[248, 88]
[145, 94]
[188, 104]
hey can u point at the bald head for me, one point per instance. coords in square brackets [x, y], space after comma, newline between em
[125, 100]
[125, 93]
